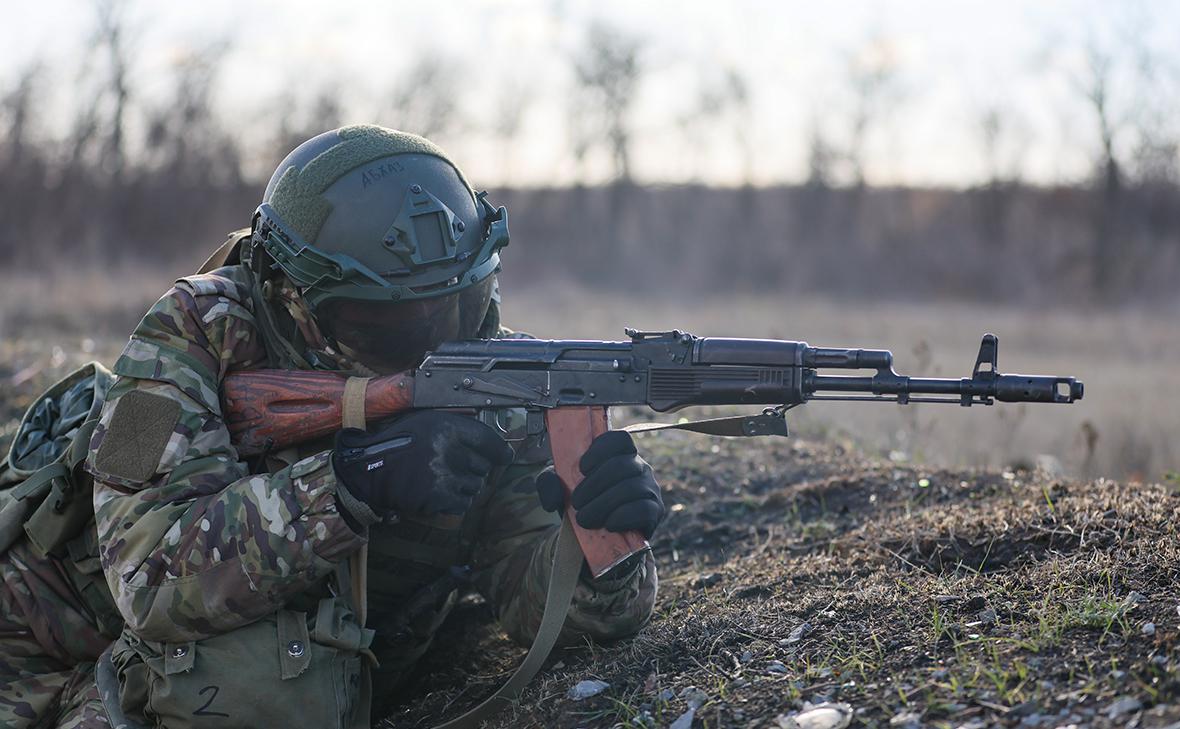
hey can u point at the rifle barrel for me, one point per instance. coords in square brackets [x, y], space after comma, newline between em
[1006, 388]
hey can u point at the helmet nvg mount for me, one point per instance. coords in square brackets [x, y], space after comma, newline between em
[365, 217]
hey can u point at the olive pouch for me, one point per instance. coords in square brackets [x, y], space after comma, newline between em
[284, 670]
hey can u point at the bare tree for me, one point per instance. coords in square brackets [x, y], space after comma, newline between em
[23, 158]
[1095, 85]
[607, 72]
[873, 76]
[822, 157]
[425, 100]
[302, 117]
[110, 38]
[512, 103]
[184, 138]
[720, 110]
[1001, 140]
[16, 111]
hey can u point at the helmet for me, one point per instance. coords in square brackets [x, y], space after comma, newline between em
[390, 249]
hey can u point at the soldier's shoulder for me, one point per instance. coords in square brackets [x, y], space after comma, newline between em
[230, 282]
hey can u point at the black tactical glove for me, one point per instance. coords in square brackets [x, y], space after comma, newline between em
[619, 491]
[428, 462]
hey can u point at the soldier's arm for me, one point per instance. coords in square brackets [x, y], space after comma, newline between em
[192, 544]
[514, 557]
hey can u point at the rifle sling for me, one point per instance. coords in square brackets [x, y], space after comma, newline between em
[563, 579]
[741, 426]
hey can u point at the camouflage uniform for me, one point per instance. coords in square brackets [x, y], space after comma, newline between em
[49, 641]
[202, 543]
[56, 613]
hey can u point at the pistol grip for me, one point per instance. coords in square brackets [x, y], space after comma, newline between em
[571, 430]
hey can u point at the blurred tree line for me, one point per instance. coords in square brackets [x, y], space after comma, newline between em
[163, 181]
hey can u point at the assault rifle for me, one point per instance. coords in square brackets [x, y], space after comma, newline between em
[526, 387]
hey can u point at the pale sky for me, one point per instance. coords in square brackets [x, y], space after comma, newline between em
[953, 60]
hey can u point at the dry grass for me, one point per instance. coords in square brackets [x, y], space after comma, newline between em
[966, 598]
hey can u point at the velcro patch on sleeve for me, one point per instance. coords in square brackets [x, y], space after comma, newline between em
[137, 435]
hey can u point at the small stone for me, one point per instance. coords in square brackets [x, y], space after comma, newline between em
[818, 716]
[1025, 709]
[1159, 660]
[694, 697]
[1123, 706]
[746, 657]
[1032, 720]
[586, 689]
[1149, 628]
[666, 695]
[776, 667]
[799, 633]
[707, 580]
[1136, 597]
[944, 599]
[977, 602]
[684, 721]
[906, 720]
[986, 616]
[940, 674]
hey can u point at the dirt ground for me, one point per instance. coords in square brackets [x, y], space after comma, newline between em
[796, 572]
[803, 570]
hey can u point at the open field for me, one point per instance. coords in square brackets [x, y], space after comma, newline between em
[1125, 426]
[920, 564]
[796, 572]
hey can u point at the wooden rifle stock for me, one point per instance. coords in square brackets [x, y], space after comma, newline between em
[272, 409]
[268, 410]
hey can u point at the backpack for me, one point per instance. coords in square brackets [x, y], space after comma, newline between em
[45, 494]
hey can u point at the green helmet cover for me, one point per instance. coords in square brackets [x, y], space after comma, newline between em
[366, 213]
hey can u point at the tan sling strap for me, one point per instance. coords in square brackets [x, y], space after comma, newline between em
[563, 580]
[354, 417]
[354, 402]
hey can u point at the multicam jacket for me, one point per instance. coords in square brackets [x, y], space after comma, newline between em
[195, 541]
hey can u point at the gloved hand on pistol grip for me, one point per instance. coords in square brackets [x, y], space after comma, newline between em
[427, 462]
[618, 492]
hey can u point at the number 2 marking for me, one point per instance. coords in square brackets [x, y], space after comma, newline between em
[212, 691]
